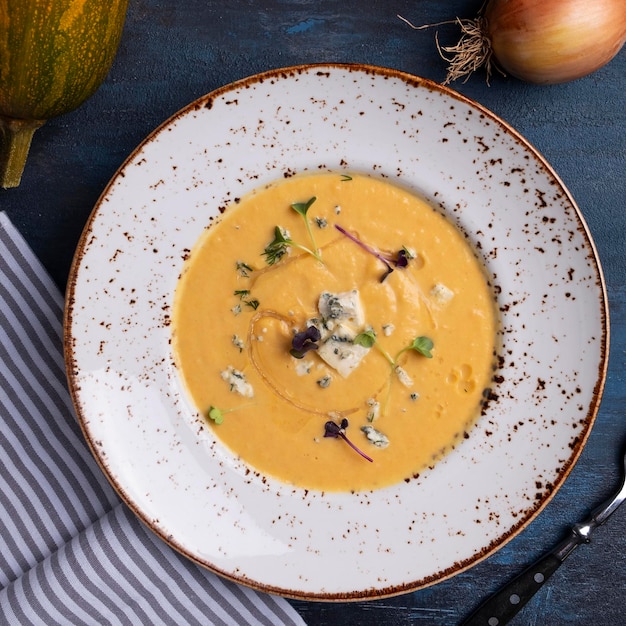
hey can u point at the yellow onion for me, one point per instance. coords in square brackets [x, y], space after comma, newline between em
[540, 41]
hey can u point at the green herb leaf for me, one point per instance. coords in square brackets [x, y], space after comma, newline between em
[243, 296]
[423, 345]
[345, 178]
[303, 207]
[277, 248]
[216, 414]
[243, 269]
[366, 339]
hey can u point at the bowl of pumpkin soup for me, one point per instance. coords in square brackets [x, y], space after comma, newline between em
[319, 332]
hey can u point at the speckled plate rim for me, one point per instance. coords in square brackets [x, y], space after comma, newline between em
[271, 559]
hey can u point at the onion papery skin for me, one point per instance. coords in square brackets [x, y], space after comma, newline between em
[554, 41]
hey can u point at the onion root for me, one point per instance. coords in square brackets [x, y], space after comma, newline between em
[472, 52]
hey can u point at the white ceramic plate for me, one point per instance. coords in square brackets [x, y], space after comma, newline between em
[187, 487]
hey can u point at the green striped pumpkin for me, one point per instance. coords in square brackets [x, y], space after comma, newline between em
[54, 54]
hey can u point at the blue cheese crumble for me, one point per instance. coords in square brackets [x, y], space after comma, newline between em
[238, 343]
[304, 367]
[325, 381]
[237, 382]
[373, 409]
[403, 376]
[375, 436]
[441, 294]
[342, 320]
[388, 330]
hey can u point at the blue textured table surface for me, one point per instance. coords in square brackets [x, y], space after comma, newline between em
[173, 52]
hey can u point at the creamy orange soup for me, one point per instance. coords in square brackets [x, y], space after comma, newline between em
[389, 315]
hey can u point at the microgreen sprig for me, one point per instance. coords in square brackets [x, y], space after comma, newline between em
[217, 415]
[331, 429]
[422, 345]
[302, 208]
[277, 248]
[367, 339]
[400, 260]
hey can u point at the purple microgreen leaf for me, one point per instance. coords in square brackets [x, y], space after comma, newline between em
[304, 341]
[400, 260]
[300, 354]
[331, 429]
[312, 333]
[403, 258]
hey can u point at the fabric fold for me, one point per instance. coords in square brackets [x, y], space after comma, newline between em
[118, 572]
[70, 551]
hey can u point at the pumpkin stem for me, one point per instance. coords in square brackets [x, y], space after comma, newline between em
[15, 138]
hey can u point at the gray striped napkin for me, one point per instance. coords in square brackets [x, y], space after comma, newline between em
[70, 551]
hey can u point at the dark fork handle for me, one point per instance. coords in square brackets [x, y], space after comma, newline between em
[502, 607]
